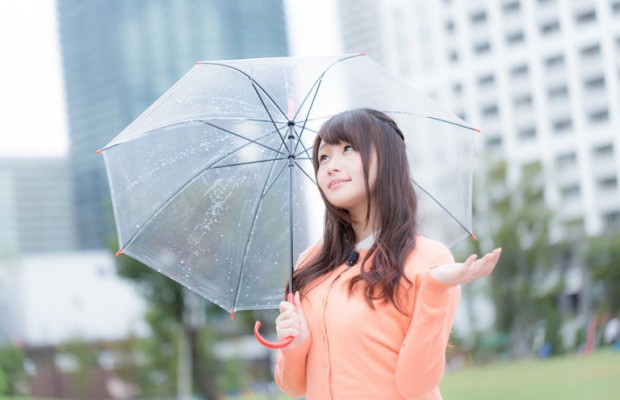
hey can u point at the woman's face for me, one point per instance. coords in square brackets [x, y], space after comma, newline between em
[341, 177]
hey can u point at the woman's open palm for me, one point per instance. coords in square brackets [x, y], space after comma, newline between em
[468, 271]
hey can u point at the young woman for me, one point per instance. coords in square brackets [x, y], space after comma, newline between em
[375, 327]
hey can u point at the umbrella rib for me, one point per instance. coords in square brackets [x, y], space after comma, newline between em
[305, 151]
[247, 242]
[305, 173]
[254, 83]
[314, 88]
[247, 163]
[269, 114]
[214, 126]
[321, 78]
[442, 206]
[264, 193]
[246, 138]
[434, 118]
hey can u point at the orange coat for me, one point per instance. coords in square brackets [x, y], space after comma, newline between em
[355, 352]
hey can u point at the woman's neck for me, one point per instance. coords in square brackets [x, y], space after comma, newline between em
[361, 227]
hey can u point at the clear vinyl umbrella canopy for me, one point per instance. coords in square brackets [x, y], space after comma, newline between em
[213, 184]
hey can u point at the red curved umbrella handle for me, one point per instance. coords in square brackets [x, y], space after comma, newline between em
[267, 343]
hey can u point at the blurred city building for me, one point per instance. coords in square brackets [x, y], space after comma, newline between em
[49, 299]
[36, 214]
[120, 56]
[540, 78]
[60, 308]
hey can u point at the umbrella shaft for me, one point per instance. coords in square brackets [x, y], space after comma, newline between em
[291, 164]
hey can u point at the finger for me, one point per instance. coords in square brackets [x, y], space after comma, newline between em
[283, 334]
[471, 259]
[285, 306]
[287, 324]
[288, 314]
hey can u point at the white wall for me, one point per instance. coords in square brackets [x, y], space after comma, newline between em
[54, 298]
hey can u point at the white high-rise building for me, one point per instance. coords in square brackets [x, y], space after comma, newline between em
[540, 78]
[35, 208]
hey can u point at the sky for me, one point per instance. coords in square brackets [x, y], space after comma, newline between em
[32, 100]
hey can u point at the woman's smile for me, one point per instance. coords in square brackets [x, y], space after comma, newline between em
[336, 183]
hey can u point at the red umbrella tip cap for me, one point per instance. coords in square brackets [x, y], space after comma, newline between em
[473, 236]
[232, 314]
[362, 54]
[99, 151]
[118, 253]
[477, 130]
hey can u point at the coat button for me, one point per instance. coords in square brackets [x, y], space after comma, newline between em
[326, 370]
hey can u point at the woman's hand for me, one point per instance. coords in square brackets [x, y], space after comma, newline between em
[469, 271]
[291, 322]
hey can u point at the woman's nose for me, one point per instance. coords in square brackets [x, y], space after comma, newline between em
[332, 167]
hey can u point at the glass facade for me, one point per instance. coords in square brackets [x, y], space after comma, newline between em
[120, 56]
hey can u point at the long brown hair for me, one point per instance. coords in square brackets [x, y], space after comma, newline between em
[369, 132]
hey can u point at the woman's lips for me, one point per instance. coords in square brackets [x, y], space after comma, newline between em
[336, 183]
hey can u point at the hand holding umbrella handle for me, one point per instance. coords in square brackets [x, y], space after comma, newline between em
[267, 343]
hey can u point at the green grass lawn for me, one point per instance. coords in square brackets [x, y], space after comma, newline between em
[571, 377]
[596, 376]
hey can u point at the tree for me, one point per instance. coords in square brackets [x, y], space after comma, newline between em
[603, 259]
[513, 215]
[12, 372]
[169, 328]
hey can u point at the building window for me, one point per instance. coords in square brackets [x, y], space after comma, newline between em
[615, 7]
[490, 111]
[566, 160]
[486, 81]
[527, 133]
[554, 62]
[608, 184]
[482, 48]
[523, 101]
[586, 17]
[453, 56]
[494, 142]
[558, 94]
[571, 191]
[595, 84]
[599, 116]
[515, 38]
[449, 25]
[562, 125]
[457, 88]
[603, 151]
[478, 18]
[512, 7]
[550, 27]
[612, 220]
[591, 51]
[520, 71]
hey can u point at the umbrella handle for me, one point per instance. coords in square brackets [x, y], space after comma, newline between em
[267, 343]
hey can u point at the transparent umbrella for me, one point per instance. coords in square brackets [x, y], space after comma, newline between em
[213, 184]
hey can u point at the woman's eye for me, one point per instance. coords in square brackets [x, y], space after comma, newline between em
[322, 157]
[348, 148]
